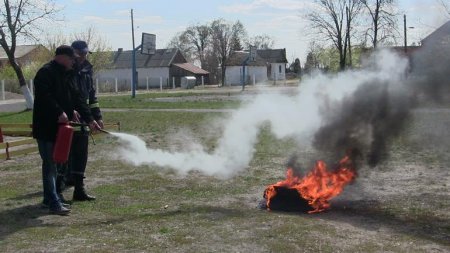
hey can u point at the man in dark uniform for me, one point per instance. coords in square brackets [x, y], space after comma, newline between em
[56, 101]
[76, 166]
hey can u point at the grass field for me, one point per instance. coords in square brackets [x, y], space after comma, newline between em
[403, 205]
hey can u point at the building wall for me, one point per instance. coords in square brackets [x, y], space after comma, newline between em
[275, 73]
[234, 74]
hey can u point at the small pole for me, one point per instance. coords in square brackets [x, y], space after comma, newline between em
[254, 80]
[173, 82]
[274, 78]
[31, 87]
[3, 89]
[116, 88]
[203, 81]
[133, 60]
[160, 83]
[404, 31]
[96, 85]
[147, 83]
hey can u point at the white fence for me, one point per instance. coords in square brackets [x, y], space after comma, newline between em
[12, 86]
[108, 85]
[103, 85]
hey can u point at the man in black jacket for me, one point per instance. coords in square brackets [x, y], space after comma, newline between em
[76, 166]
[57, 100]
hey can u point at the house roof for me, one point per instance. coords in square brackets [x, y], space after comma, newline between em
[440, 35]
[191, 68]
[273, 55]
[161, 58]
[263, 56]
[21, 51]
[238, 57]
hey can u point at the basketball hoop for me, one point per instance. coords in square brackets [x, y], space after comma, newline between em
[148, 45]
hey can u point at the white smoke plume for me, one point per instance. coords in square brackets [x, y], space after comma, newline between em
[295, 116]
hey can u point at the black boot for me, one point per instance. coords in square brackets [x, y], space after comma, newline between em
[69, 181]
[79, 194]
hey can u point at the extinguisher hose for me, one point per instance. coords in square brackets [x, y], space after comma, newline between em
[84, 124]
[92, 137]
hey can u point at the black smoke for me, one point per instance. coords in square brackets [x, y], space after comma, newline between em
[378, 111]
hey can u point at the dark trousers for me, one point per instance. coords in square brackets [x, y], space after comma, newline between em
[78, 154]
[76, 165]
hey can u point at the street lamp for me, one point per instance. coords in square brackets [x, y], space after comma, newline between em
[404, 30]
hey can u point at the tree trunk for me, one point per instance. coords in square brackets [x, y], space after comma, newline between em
[23, 85]
[223, 76]
[28, 97]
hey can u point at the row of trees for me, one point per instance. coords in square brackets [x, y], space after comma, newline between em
[338, 22]
[212, 44]
[23, 20]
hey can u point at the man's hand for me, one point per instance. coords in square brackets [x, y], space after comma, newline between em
[100, 123]
[94, 126]
[76, 117]
[63, 118]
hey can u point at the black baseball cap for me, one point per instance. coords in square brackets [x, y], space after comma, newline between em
[81, 45]
[65, 50]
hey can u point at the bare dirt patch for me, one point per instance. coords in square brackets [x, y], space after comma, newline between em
[402, 205]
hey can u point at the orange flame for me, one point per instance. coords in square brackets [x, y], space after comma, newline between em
[319, 186]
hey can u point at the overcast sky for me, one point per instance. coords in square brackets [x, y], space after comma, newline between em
[280, 19]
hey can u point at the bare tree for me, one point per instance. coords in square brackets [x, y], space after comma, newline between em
[198, 36]
[224, 37]
[446, 5]
[313, 57]
[353, 9]
[21, 18]
[102, 54]
[383, 19]
[261, 42]
[187, 49]
[193, 43]
[333, 20]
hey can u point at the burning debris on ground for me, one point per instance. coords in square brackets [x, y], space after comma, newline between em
[312, 192]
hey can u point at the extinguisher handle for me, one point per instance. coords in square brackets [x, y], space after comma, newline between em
[72, 123]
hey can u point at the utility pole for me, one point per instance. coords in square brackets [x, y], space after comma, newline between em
[133, 63]
[404, 30]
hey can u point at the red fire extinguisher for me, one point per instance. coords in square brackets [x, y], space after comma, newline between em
[63, 142]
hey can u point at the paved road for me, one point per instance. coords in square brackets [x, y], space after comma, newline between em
[12, 105]
[164, 110]
[18, 105]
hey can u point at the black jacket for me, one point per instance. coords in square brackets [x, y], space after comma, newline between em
[55, 92]
[83, 77]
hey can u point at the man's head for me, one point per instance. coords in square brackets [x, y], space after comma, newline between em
[81, 50]
[65, 56]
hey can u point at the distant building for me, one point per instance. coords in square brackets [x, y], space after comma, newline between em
[440, 36]
[256, 71]
[269, 64]
[24, 54]
[166, 65]
[276, 62]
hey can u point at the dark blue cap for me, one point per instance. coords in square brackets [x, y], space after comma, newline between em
[81, 45]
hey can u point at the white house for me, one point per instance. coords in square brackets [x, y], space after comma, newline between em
[276, 62]
[166, 65]
[255, 71]
[269, 64]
